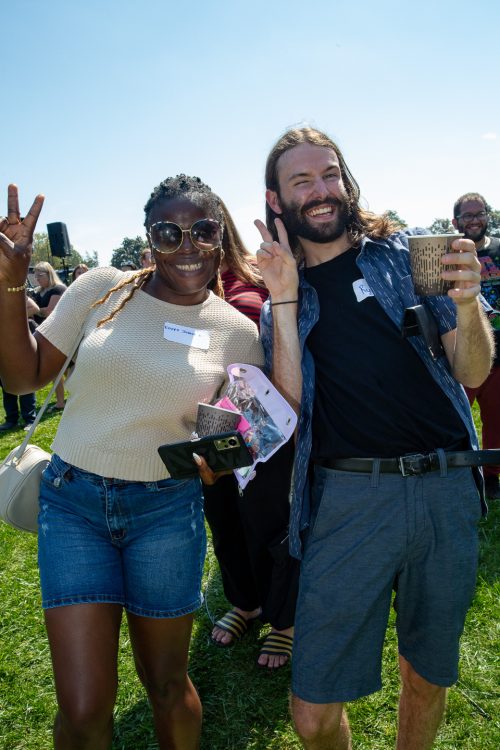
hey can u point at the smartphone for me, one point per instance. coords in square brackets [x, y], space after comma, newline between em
[222, 452]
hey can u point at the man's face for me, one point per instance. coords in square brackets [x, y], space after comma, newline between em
[472, 221]
[312, 201]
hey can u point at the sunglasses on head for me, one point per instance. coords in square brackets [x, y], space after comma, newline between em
[167, 237]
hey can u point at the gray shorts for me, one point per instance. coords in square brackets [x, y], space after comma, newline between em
[370, 535]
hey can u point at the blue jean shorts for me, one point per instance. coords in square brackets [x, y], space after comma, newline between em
[138, 544]
[370, 535]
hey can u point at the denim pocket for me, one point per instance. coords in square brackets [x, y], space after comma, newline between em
[56, 472]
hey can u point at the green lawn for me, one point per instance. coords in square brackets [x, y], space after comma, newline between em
[245, 708]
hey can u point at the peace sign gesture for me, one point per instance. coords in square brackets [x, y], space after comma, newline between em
[16, 238]
[277, 264]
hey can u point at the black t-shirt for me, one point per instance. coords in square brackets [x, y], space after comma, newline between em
[490, 281]
[42, 298]
[374, 395]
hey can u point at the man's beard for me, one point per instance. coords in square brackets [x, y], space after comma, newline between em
[299, 225]
[479, 234]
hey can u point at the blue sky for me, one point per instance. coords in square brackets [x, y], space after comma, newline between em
[104, 99]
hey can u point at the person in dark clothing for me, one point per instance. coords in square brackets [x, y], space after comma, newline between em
[470, 216]
[48, 293]
[26, 404]
[384, 495]
[250, 529]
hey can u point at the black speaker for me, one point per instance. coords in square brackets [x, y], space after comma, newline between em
[58, 239]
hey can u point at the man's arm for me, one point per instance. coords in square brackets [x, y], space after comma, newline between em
[279, 271]
[470, 347]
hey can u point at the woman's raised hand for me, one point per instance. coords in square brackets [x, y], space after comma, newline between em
[276, 263]
[16, 238]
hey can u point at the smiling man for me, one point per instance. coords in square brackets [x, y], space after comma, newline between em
[383, 493]
[470, 216]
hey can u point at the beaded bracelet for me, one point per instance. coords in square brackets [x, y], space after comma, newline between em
[17, 288]
[285, 302]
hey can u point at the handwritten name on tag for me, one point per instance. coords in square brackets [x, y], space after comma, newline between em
[196, 337]
[361, 290]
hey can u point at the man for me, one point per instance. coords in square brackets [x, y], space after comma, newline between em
[376, 518]
[470, 216]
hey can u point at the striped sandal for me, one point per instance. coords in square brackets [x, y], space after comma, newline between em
[234, 624]
[276, 644]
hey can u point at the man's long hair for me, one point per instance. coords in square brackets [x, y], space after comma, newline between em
[359, 222]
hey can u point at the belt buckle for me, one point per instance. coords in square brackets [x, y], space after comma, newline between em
[412, 465]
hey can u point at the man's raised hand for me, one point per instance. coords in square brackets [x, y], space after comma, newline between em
[277, 264]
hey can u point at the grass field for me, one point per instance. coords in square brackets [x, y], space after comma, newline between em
[245, 708]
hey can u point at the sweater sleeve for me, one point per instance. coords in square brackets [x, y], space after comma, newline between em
[63, 325]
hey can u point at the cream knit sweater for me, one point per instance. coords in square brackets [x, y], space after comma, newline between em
[132, 389]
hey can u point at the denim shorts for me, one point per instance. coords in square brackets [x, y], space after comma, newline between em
[370, 535]
[138, 544]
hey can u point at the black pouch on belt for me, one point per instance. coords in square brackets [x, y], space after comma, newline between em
[419, 321]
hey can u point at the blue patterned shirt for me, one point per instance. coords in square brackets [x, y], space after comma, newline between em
[385, 266]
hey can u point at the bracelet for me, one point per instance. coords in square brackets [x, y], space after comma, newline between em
[17, 288]
[286, 302]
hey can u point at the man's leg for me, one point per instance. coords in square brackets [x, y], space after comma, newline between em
[321, 726]
[27, 403]
[11, 407]
[421, 708]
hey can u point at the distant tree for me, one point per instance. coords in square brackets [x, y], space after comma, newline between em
[130, 249]
[441, 226]
[494, 223]
[91, 260]
[42, 251]
[394, 216]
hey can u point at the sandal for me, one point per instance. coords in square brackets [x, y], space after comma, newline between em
[54, 408]
[234, 624]
[277, 644]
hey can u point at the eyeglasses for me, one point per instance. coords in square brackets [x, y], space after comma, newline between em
[468, 216]
[167, 237]
[40, 273]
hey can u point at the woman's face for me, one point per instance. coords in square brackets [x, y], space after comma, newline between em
[186, 272]
[79, 271]
[42, 278]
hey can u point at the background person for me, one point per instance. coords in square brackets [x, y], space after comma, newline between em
[78, 270]
[250, 529]
[135, 541]
[470, 216]
[26, 403]
[145, 258]
[46, 295]
[392, 503]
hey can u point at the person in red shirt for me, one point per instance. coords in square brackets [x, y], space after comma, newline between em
[250, 529]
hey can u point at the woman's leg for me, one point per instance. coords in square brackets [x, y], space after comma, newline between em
[160, 649]
[230, 548]
[264, 511]
[60, 394]
[84, 645]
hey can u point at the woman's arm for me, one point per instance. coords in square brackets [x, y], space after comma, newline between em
[27, 362]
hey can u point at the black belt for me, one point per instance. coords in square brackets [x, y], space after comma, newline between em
[414, 463]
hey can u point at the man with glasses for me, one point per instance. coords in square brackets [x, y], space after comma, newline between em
[470, 216]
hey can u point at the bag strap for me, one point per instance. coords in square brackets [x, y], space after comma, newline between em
[56, 382]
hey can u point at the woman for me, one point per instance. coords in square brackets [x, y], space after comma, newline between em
[135, 541]
[47, 294]
[249, 530]
[78, 270]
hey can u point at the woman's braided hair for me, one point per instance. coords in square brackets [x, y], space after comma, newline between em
[181, 186]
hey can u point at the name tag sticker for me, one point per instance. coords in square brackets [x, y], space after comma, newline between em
[196, 337]
[361, 290]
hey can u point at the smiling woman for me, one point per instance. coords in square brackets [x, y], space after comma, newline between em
[115, 531]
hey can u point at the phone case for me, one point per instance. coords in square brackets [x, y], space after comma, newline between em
[222, 452]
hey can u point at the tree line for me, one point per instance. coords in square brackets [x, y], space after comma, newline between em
[131, 247]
